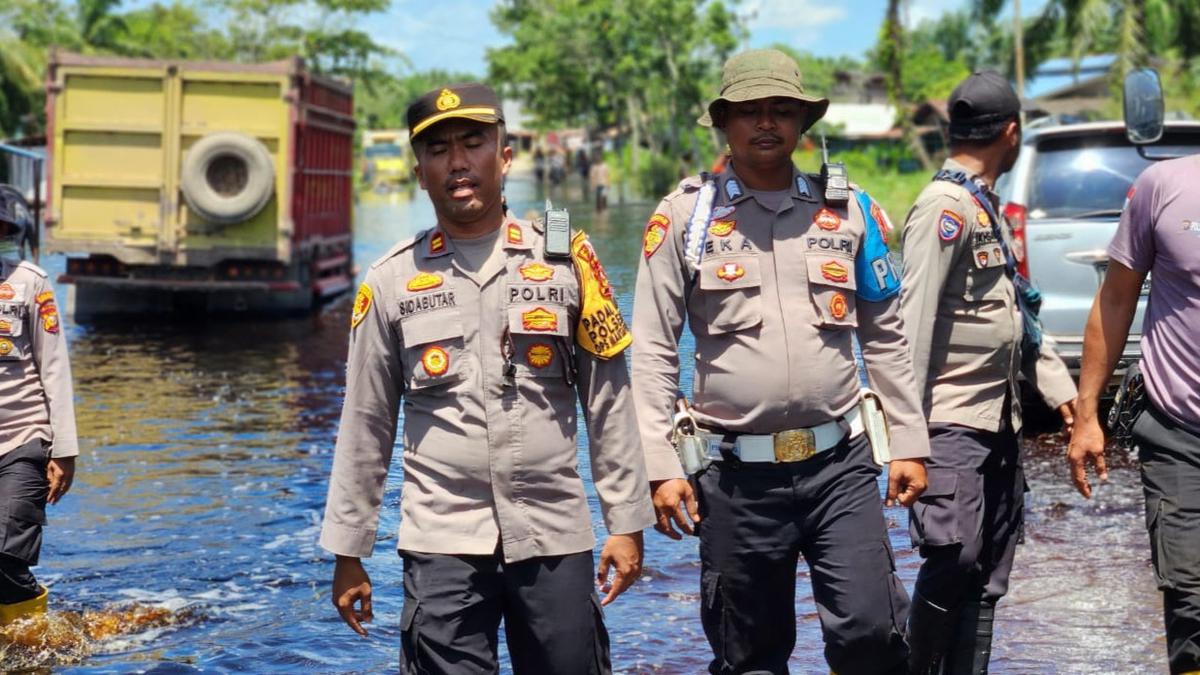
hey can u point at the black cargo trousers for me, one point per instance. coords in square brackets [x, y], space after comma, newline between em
[1170, 459]
[966, 525]
[757, 519]
[23, 491]
[453, 605]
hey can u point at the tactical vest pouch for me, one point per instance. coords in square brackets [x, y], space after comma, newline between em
[1128, 405]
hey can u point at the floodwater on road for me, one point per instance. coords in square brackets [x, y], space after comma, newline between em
[206, 449]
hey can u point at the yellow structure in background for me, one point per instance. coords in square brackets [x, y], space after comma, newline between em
[118, 141]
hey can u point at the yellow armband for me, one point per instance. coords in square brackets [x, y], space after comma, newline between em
[601, 330]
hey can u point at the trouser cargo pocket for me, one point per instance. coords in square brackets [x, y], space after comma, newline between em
[22, 534]
[934, 518]
[409, 664]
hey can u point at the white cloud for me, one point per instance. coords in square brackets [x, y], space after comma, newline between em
[792, 15]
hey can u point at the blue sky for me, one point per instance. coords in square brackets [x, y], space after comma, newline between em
[454, 34]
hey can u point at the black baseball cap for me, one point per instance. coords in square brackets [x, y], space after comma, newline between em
[980, 106]
[470, 101]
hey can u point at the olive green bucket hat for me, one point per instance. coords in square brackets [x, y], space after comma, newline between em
[764, 73]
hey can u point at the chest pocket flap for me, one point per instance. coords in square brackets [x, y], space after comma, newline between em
[730, 287]
[434, 350]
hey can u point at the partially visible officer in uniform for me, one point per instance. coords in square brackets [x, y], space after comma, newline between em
[490, 329]
[38, 445]
[774, 279]
[1159, 235]
[965, 327]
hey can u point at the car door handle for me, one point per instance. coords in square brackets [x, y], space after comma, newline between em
[1094, 257]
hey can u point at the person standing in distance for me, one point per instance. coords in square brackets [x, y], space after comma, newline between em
[1159, 235]
[489, 336]
[965, 324]
[38, 442]
[774, 279]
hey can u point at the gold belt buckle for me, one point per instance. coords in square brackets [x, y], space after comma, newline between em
[795, 445]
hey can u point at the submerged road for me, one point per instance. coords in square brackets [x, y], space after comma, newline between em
[206, 451]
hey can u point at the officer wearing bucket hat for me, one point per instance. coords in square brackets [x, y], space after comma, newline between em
[37, 413]
[966, 322]
[774, 279]
[480, 329]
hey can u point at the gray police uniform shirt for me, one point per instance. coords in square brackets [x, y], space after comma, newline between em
[961, 314]
[36, 396]
[773, 308]
[490, 457]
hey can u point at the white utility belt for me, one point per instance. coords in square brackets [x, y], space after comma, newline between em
[793, 445]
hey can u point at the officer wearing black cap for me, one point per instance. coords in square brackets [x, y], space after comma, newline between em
[971, 332]
[966, 324]
[478, 326]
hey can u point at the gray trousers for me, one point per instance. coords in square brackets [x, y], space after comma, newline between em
[1170, 458]
[23, 491]
[969, 520]
[757, 519]
[453, 605]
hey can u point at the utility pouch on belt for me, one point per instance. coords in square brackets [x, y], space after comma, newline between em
[875, 425]
[692, 450]
[1127, 406]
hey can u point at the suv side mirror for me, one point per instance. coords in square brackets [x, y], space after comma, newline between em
[1143, 106]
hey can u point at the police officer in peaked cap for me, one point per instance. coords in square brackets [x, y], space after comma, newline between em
[775, 276]
[489, 335]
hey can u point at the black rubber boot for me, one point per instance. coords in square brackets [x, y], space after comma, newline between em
[929, 632]
[972, 649]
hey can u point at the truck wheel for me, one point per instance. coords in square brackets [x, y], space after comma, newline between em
[227, 177]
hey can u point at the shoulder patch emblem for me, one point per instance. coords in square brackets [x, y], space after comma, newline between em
[722, 228]
[539, 355]
[362, 305]
[49, 314]
[424, 281]
[515, 236]
[437, 243]
[435, 361]
[837, 306]
[656, 234]
[835, 272]
[827, 220]
[44, 297]
[536, 271]
[730, 272]
[950, 225]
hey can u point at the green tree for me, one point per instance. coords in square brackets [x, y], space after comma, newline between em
[646, 66]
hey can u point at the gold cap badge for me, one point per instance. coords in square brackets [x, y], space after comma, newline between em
[448, 100]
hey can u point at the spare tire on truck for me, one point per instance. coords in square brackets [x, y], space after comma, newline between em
[227, 177]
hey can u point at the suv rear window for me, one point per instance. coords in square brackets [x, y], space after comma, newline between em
[1080, 175]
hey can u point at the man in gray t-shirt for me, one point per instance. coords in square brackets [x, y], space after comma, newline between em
[1159, 235]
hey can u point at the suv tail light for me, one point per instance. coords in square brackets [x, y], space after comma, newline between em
[1016, 215]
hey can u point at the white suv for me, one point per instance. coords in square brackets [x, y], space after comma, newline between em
[1064, 199]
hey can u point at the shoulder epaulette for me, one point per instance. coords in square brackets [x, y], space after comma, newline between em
[688, 185]
[34, 268]
[401, 247]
